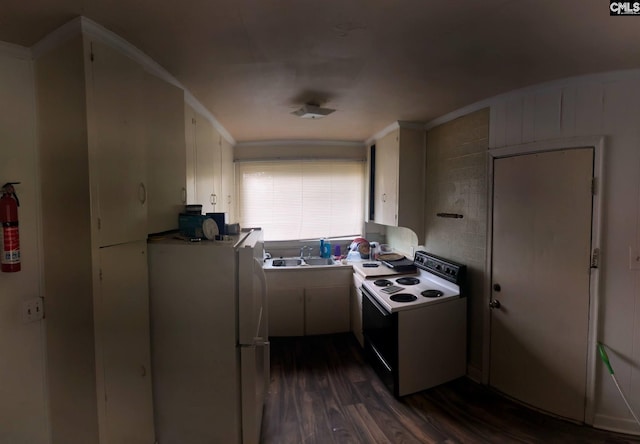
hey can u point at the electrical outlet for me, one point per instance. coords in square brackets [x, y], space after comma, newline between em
[634, 258]
[32, 310]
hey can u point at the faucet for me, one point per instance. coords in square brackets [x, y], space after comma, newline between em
[302, 250]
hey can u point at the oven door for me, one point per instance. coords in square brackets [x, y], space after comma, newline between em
[380, 330]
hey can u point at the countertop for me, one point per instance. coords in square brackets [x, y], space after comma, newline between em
[358, 267]
[368, 272]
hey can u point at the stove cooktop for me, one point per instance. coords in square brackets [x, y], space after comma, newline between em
[411, 292]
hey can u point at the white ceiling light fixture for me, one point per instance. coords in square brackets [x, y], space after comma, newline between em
[311, 111]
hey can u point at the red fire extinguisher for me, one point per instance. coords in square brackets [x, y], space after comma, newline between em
[10, 236]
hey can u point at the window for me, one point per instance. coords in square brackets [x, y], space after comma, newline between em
[302, 199]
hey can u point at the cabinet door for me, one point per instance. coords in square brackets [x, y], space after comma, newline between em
[204, 161]
[286, 312]
[326, 310]
[166, 154]
[386, 179]
[218, 196]
[123, 345]
[227, 178]
[190, 143]
[118, 152]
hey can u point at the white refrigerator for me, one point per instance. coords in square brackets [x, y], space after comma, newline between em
[209, 348]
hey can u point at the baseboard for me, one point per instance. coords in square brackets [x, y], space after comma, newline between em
[474, 373]
[615, 424]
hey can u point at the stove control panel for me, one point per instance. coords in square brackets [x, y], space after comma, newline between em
[449, 270]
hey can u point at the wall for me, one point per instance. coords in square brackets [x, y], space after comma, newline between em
[23, 413]
[608, 105]
[456, 183]
[273, 150]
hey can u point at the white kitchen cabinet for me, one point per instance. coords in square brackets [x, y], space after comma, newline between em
[123, 320]
[91, 127]
[165, 143]
[286, 312]
[326, 310]
[227, 180]
[201, 139]
[210, 171]
[386, 179]
[190, 148]
[117, 145]
[399, 178]
[301, 302]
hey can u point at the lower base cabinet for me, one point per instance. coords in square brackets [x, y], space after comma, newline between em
[326, 310]
[286, 311]
[301, 303]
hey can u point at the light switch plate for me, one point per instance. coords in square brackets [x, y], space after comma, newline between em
[32, 310]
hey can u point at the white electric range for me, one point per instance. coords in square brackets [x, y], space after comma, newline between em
[414, 326]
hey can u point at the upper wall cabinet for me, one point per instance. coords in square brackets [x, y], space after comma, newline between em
[165, 142]
[210, 172]
[227, 179]
[117, 145]
[200, 135]
[399, 187]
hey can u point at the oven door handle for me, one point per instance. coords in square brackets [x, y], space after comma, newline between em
[375, 303]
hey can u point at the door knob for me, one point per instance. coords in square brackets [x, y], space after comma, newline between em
[494, 303]
[497, 288]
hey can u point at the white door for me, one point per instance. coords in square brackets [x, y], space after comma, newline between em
[542, 209]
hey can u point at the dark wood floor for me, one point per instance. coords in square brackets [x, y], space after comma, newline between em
[323, 392]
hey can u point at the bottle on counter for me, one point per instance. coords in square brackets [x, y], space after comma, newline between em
[325, 248]
[374, 250]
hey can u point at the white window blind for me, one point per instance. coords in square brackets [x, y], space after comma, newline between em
[302, 199]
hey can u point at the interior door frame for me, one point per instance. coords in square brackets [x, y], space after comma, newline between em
[597, 143]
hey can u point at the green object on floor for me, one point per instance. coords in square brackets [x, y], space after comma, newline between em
[605, 359]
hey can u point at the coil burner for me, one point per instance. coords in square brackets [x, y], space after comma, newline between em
[403, 297]
[432, 293]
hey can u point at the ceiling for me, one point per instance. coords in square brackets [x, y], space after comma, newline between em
[252, 62]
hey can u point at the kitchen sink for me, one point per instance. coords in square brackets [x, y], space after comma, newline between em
[301, 262]
[319, 261]
[286, 262]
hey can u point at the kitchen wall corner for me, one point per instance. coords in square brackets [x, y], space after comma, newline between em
[456, 183]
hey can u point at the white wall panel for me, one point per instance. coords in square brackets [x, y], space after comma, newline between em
[568, 116]
[513, 130]
[528, 118]
[23, 415]
[589, 109]
[547, 114]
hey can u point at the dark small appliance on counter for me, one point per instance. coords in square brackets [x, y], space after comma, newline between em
[221, 220]
[403, 265]
[233, 228]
